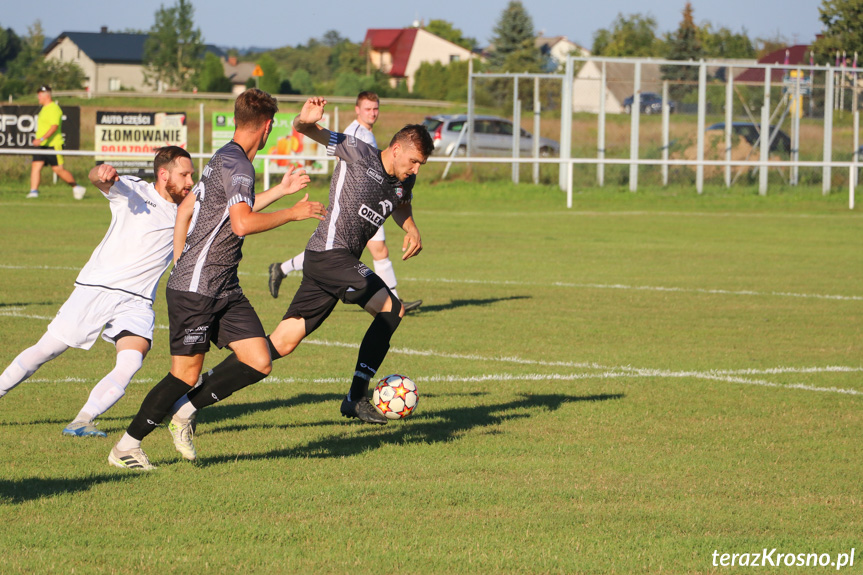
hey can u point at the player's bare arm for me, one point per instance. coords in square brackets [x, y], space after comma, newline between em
[181, 228]
[103, 177]
[412, 244]
[307, 120]
[291, 183]
[245, 222]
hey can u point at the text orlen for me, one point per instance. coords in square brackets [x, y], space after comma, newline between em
[775, 558]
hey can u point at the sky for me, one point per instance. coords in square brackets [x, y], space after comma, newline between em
[271, 24]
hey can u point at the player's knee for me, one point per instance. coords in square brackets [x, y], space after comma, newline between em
[392, 313]
[261, 363]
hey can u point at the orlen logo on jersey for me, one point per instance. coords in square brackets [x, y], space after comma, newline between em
[369, 214]
[375, 176]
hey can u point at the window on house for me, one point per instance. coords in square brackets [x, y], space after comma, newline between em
[114, 84]
[454, 58]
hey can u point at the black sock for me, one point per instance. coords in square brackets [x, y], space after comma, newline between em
[274, 353]
[156, 405]
[373, 350]
[223, 380]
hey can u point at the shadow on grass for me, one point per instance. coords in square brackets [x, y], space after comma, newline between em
[22, 490]
[436, 427]
[457, 303]
[422, 428]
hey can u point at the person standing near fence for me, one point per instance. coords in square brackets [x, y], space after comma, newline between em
[49, 134]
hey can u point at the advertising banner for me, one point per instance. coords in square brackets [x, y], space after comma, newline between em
[18, 126]
[283, 140]
[139, 132]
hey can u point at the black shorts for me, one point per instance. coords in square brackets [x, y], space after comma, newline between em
[196, 320]
[328, 277]
[49, 159]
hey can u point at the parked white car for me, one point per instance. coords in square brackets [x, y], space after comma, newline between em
[492, 137]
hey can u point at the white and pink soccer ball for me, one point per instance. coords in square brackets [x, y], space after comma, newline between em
[395, 396]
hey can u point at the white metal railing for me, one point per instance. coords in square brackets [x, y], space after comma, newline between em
[566, 164]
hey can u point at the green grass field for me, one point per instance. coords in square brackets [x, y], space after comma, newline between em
[629, 386]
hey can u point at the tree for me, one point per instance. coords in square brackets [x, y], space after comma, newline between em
[438, 82]
[447, 31]
[684, 45]
[174, 48]
[725, 44]
[29, 69]
[10, 46]
[271, 81]
[634, 35]
[301, 82]
[332, 38]
[842, 29]
[212, 77]
[514, 44]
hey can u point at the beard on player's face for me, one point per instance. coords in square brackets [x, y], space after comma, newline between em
[177, 191]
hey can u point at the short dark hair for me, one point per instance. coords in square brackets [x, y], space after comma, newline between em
[168, 155]
[254, 107]
[370, 96]
[417, 136]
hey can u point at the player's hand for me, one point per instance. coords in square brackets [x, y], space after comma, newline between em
[313, 110]
[412, 244]
[304, 209]
[295, 180]
[107, 174]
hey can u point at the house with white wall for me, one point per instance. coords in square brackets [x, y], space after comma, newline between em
[399, 52]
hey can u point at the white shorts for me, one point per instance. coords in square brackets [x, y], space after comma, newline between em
[88, 311]
[379, 236]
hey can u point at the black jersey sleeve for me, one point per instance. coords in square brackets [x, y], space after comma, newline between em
[349, 148]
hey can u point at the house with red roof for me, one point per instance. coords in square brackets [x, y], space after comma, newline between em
[789, 57]
[399, 52]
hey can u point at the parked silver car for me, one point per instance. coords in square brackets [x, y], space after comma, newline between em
[492, 137]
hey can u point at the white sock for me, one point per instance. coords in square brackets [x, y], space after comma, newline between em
[113, 386]
[186, 410]
[128, 442]
[295, 264]
[384, 269]
[29, 360]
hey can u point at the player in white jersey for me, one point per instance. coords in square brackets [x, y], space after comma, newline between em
[114, 292]
[367, 109]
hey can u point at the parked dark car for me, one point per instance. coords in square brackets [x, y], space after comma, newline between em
[651, 103]
[749, 131]
[493, 136]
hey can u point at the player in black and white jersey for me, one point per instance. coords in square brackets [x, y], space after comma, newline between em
[367, 187]
[116, 289]
[367, 109]
[205, 301]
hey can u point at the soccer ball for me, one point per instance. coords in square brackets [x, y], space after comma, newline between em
[395, 396]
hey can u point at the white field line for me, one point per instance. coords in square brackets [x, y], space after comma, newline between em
[558, 284]
[607, 372]
[497, 377]
[640, 288]
[603, 372]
